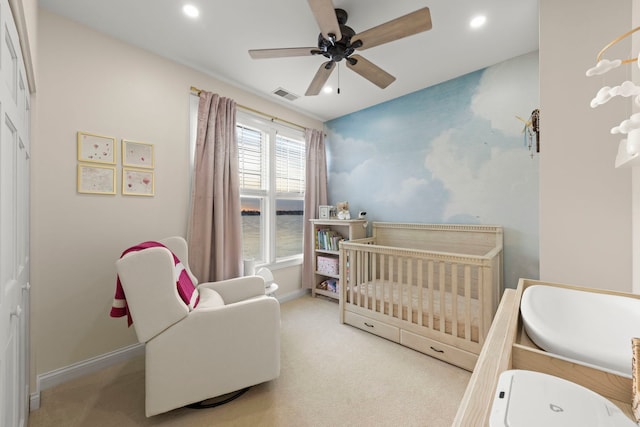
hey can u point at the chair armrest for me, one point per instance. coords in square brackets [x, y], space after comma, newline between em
[237, 289]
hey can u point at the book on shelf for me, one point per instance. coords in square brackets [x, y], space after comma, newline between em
[328, 239]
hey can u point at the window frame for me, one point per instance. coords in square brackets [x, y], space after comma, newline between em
[269, 195]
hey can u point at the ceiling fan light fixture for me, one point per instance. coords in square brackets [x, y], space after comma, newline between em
[327, 89]
[190, 10]
[478, 21]
[335, 43]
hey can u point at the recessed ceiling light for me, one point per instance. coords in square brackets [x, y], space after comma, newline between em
[478, 21]
[190, 10]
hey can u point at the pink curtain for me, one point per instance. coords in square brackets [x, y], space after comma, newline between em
[215, 233]
[315, 195]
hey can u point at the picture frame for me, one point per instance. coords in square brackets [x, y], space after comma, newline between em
[95, 148]
[138, 182]
[137, 154]
[324, 211]
[95, 179]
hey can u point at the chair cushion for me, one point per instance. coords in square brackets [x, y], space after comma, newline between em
[209, 299]
[186, 289]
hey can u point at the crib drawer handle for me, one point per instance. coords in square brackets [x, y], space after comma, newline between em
[368, 325]
[436, 350]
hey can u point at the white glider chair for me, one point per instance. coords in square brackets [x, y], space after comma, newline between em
[228, 342]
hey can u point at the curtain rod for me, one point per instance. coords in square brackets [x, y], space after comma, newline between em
[269, 116]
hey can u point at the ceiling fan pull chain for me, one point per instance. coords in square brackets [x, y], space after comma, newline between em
[338, 79]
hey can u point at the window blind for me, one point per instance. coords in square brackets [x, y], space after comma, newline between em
[251, 158]
[290, 164]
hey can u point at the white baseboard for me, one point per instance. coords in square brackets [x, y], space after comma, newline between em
[68, 373]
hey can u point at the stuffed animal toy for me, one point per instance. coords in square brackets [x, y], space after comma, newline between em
[343, 210]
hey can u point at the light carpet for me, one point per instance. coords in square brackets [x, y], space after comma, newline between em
[331, 375]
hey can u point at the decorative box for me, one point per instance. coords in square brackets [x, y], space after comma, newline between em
[327, 265]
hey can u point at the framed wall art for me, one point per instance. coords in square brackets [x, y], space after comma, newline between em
[96, 148]
[96, 179]
[138, 182]
[137, 154]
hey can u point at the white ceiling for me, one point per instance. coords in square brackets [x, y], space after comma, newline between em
[218, 40]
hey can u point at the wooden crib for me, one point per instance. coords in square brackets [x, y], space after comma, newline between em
[431, 287]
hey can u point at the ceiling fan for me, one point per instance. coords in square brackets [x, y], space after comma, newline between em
[337, 41]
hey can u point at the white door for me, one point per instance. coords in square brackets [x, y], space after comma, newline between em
[14, 226]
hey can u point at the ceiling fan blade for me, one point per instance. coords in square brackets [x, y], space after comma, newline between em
[404, 26]
[325, 16]
[320, 78]
[371, 72]
[281, 53]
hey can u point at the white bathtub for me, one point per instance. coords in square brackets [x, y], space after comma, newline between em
[586, 327]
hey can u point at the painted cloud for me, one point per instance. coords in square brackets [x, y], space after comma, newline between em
[448, 153]
[507, 90]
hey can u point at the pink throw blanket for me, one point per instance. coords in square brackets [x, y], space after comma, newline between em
[186, 289]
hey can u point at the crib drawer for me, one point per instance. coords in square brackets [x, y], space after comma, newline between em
[445, 352]
[378, 328]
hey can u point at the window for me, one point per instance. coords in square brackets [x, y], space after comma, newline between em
[271, 159]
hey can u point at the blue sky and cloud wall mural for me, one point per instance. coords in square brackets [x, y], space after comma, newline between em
[450, 153]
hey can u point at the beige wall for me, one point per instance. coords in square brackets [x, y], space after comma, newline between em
[90, 82]
[585, 203]
[93, 83]
[635, 173]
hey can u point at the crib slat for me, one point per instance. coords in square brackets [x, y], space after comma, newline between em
[454, 300]
[382, 278]
[353, 285]
[400, 286]
[420, 288]
[353, 279]
[360, 279]
[366, 255]
[467, 302]
[430, 291]
[357, 268]
[374, 280]
[383, 270]
[441, 289]
[482, 325]
[390, 283]
[350, 276]
[344, 276]
[410, 287]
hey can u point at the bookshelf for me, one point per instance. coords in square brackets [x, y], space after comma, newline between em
[326, 256]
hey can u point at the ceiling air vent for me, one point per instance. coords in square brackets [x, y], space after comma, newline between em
[285, 94]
